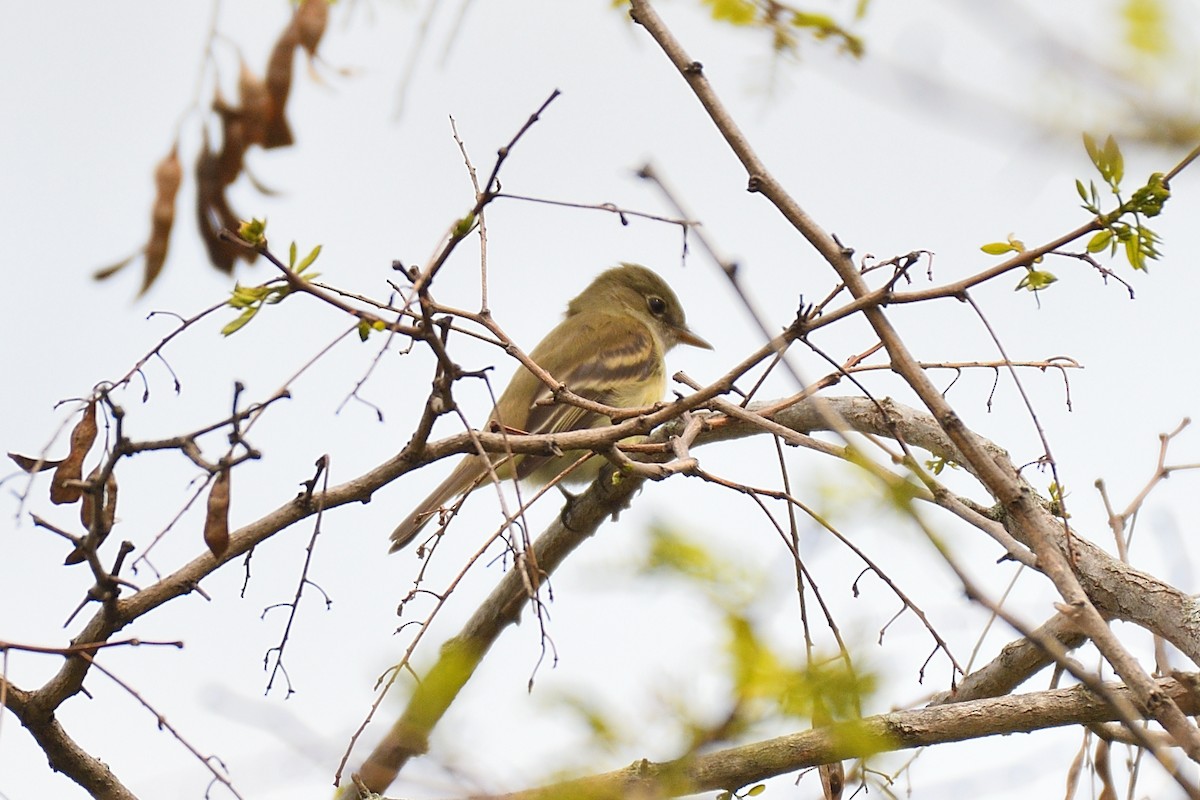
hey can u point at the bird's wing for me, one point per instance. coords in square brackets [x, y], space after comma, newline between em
[625, 370]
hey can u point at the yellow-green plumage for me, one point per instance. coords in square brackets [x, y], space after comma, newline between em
[610, 348]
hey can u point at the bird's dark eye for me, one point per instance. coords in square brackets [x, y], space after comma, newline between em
[657, 305]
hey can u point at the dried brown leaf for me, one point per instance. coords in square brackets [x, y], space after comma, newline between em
[64, 487]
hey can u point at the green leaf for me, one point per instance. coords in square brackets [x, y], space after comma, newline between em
[1133, 253]
[735, 12]
[1100, 241]
[364, 329]
[292, 256]
[1082, 191]
[240, 322]
[1114, 160]
[1146, 29]
[253, 232]
[463, 226]
[998, 248]
[1036, 279]
[1149, 199]
[939, 463]
[755, 791]
[308, 259]
[1093, 151]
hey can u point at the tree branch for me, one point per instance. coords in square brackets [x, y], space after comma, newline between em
[736, 767]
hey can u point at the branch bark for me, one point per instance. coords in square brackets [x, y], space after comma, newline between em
[736, 767]
[999, 476]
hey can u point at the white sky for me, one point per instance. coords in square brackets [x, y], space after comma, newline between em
[960, 127]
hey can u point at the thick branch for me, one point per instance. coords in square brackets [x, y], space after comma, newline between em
[63, 753]
[1020, 502]
[739, 766]
[462, 654]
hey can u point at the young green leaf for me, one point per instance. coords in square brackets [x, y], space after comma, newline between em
[1036, 279]
[308, 259]
[998, 248]
[1100, 241]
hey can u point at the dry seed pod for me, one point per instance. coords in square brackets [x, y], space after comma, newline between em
[167, 177]
[256, 105]
[833, 780]
[108, 515]
[234, 143]
[31, 464]
[311, 19]
[216, 522]
[83, 436]
[279, 84]
[213, 212]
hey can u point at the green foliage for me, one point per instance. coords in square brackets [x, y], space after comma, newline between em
[1057, 496]
[671, 553]
[937, 464]
[753, 791]
[252, 299]
[761, 678]
[735, 12]
[365, 327]
[1036, 280]
[1146, 27]
[253, 232]
[785, 22]
[763, 682]
[464, 226]
[1123, 227]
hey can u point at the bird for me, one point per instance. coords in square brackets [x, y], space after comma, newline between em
[610, 348]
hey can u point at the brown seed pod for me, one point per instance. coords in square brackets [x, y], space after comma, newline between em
[311, 18]
[216, 522]
[98, 530]
[256, 105]
[64, 488]
[168, 175]
[279, 85]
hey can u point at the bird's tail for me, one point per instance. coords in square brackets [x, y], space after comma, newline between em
[461, 480]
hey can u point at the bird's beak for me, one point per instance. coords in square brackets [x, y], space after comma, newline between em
[685, 336]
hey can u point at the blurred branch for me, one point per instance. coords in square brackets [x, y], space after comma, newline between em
[737, 767]
[1039, 528]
